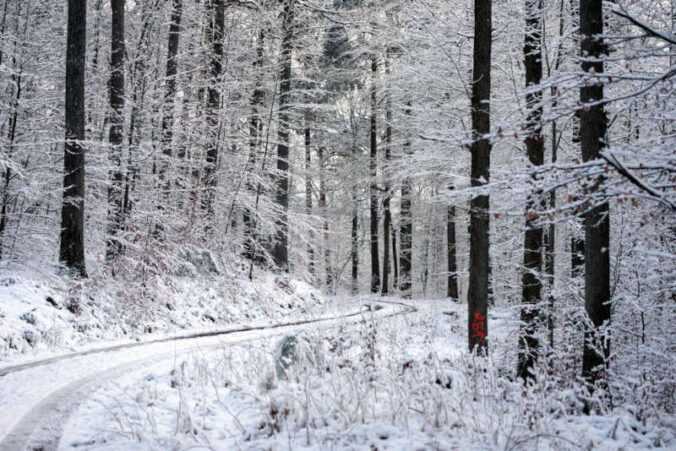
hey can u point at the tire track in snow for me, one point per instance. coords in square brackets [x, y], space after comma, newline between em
[33, 418]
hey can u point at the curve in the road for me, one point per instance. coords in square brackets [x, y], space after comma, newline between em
[41, 426]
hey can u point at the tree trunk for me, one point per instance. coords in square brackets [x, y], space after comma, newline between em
[593, 125]
[255, 131]
[395, 260]
[115, 137]
[452, 278]
[7, 173]
[375, 259]
[322, 206]
[477, 296]
[71, 252]
[170, 94]
[406, 228]
[355, 237]
[216, 33]
[308, 198]
[550, 235]
[139, 78]
[280, 251]
[532, 253]
[387, 214]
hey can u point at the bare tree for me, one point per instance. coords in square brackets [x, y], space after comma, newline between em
[71, 252]
[115, 137]
[533, 241]
[477, 295]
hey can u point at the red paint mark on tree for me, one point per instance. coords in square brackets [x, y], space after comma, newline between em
[478, 327]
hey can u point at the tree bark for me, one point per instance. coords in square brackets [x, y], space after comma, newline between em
[71, 251]
[170, 94]
[406, 228]
[477, 297]
[452, 278]
[387, 214]
[593, 125]
[323, 208]
[280, 251]
[531, 283]
[255, 131]
[395, 260]
[11, 136]
[216, 33]
[550, 235]
[354, 251]
[115, 137]
[308, 197]
[373, 167]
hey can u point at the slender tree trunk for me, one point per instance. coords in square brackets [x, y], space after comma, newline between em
[323, 208]
[355, 231]
[477, 297]
[216, 33]
[395, 260]
[593, 125]
[308, 197]
[452, 278]
[255, 131]
[71, 252]
[373, 167]
[115, 137]
[7, 173]
[406, 229]
[550, 236]
[532, 254]
[280, 251]
[138, 82]
[170, 95]
[387, 214]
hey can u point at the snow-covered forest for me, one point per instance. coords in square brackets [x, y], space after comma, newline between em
[337, 224]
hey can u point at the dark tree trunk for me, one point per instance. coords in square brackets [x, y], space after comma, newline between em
[322, 206]
[308, 198]
[139, 79]
[216, 33]
[280, 251]
[406, 229]
[550, 235]
[395, 260]
[255, 130]
[593, 125]
[452, 278]
[7, 173]
[532, 249]
[577, 256]
[375, 258]
[115, 137]
[355, 240]
[170, 94]
[387, 214]
[71, 252]
[477, 295]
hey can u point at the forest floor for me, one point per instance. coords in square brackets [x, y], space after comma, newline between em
[376, 381]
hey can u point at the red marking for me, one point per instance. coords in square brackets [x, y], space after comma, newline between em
[478, 327]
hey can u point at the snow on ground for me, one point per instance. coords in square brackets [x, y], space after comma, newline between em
[404, 382]
[43, 314]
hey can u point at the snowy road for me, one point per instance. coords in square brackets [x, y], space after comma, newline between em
[37, 398]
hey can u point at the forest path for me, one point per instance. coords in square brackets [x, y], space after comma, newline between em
[37, 398]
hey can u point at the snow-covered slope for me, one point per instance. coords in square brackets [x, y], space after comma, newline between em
[42, 314]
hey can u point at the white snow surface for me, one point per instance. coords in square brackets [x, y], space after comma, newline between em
[34, 412]
[385, 382]
[44, 315]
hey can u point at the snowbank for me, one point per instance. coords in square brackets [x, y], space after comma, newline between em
[44, 314]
